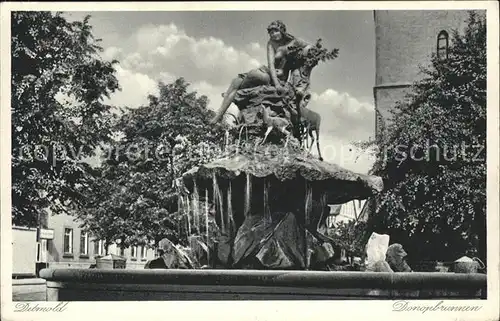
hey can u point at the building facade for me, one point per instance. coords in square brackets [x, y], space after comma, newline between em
[61, 243]
[350, 211]
[404, 41]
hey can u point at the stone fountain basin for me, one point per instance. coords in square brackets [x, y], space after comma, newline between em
[176, 285]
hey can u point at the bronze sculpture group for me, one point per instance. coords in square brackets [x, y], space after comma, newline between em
[280, 91]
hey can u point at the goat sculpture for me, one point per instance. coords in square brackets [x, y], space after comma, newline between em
[312, 122]
[279, 123]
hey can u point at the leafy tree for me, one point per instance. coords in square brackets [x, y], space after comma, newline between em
[348, 236]
[134, 199]
[58, 116]
[432, 157]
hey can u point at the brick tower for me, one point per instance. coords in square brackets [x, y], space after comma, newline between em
[404, 40]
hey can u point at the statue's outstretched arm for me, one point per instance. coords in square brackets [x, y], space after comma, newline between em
[270, 62]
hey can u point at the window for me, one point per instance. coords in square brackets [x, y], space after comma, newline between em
[122, 251]
[68, 241]
[144, 251]
[442, 45]
[84, 244]
[37, 253]
[133, 252]
[99, 248]
[41, 251]
[102, 249]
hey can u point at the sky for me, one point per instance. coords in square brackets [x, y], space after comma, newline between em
[210, 48]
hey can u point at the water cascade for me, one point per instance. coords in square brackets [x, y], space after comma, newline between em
[196, 207]
[307, 219]
[230, 207]
[188, 214]
[248, 194]
[179, 210]
[206, 222]
[267, 211]
[218, 201]
[324, 210]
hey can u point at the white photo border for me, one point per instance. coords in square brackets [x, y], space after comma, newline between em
[255, 310]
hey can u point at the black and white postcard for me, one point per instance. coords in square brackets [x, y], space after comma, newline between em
[250, 160]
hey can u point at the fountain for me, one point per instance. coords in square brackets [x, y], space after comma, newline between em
[270, 198]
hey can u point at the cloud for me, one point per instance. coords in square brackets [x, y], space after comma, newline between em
[344, 153]
[214, 95]
[135, 87]
[154, 49]
[343, 115]
[136, 61]
[151, 36]
[344, 120]
[256, 50]
[111, 53]
[166, 77]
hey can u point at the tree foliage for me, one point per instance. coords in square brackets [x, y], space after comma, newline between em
[133, 199]
[314, 55]
[433, 156]
[58, 115]
[349, 237]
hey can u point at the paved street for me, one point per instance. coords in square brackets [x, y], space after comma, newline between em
[28, 290]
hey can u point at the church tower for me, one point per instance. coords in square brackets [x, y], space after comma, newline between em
[404, 40]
